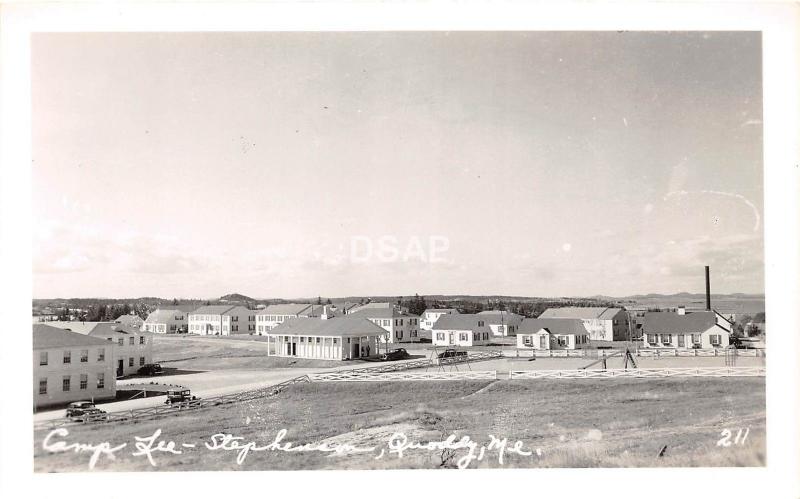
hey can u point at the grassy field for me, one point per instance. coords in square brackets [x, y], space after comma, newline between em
[564, 423]
[214, 353]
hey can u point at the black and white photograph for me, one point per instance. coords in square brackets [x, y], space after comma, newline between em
[400, 249]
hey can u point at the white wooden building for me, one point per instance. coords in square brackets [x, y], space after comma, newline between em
[464, 330]
[501, 322]
[681, 329]
[552, 334]
[338, 338]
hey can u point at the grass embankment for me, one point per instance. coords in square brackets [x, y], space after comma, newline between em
[215, 353]
[573, 423]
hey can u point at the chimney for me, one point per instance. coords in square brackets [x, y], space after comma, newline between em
[681, 310]
[708, 290]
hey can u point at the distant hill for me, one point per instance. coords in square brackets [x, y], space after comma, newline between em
[235, 297]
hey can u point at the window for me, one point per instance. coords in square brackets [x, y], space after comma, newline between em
[462, 336]
[65, 384]
[319, 339]
[715, 339]
[84, 355]
[501, 329]
[485, 336]
[527, 340]
[696, 339]
[84, 381]
[562, 341]
[336, 341]
[143, 340]
[131, 340]
[480, 323]
[387, 322]
[440, 336]
[121, 342]
[130, 361]
[666, 339]
[42, 358]
[67, 357]
[141, 361]
[101, 355]
[101, 380]
[42, 386]
[475, 336]
[302, 339]
[651, 338]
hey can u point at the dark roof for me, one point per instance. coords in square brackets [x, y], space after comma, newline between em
[379, 313]
[45, 336]
[338, 326]
[554, 326]
[212, 309]
[461, 322]
[585, 313]
[671, 322]
[105, 328]
[286, 309]
[495, 317]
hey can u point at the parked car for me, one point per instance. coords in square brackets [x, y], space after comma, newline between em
[397, 354]
[85, 411]
[452, 353]
[179, 396]
[151, 370]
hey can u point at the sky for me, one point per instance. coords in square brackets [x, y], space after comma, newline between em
[284, 165]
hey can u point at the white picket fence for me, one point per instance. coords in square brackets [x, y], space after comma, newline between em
[714, 372]
[355, 375]
[642, 352]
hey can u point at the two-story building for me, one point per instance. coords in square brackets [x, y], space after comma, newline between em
[269, 317]
[69, 366]
[169, 319]
[400, 326]
[501, 322]
[602, 323]
[431, 315]
[464, 330]
[339, 338]
[682, 329]
[222, 320]
[552, 334]
[133, 348]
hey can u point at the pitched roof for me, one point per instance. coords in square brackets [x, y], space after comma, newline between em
[374, 305]
[76, 326]
[441, 310]
[213, 309]
[103, 329]
[162, 315]
[495, 317]
[285, 309]
[461, 322]
[45, 336]
[379, 313]
[338, 326]
[186, 309]
[584, 313]
[129, 319]
[554, 326]
[671, 322]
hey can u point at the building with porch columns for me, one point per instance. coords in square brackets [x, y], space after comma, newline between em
[339, 338]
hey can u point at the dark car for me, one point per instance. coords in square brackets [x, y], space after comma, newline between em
[452, 353]
[151, 370]
[85, 411]
[397, 354]
[179, 397]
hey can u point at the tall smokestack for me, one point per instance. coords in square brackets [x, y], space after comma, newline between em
[708, 290]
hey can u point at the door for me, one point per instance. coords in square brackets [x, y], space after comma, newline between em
[356, 350]
[120, 367]
[681, 340]
[452, 338]
[294, 349]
